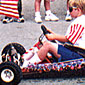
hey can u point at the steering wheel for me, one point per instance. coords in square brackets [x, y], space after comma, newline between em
[45, 31]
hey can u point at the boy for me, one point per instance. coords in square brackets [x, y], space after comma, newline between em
[75, 34]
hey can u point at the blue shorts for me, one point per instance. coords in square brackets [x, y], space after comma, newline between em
[67, 54]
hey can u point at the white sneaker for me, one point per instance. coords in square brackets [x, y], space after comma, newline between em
[38, 19]
[51, 17]
[68, 17]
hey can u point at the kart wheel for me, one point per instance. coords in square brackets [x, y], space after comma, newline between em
[7, 52]
[10, 74]
[19, 48]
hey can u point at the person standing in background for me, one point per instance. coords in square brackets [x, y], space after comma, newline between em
[68, 16]
[49, 16]
[11, 19]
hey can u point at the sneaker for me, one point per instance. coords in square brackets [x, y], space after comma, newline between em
[5, 21]
[38, 19]
[68, 17]
[51, 17]
[11, 19]
[21, 20]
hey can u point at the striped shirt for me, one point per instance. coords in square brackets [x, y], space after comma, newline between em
[76, 32]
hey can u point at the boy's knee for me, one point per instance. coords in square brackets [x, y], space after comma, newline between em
[46, 43]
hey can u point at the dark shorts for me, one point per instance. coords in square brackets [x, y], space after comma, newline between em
[67, 54]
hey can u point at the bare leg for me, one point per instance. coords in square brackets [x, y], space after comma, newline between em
[47, 4]
[67, 4]
[48, 47]
[49, 16]
[37, 5]
[37, 11]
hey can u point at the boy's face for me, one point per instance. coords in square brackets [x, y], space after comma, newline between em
[74, 12]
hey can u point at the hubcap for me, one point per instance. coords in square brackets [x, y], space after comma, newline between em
[7, 75]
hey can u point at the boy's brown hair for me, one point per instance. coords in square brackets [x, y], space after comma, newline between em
[78, 3]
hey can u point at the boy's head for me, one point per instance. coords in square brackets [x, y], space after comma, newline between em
[77, 5]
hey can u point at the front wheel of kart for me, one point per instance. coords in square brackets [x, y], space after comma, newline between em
[8, 49]
[10, 73]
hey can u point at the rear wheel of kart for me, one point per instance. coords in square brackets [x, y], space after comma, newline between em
[10, 74]
[7, 50]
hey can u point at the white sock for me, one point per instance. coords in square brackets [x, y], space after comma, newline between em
[34, 59]
[68, 12]
[48, 12]
[37, 14]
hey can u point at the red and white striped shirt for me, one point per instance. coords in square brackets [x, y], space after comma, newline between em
[76, 32]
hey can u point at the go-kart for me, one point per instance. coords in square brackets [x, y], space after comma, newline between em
[12, 58]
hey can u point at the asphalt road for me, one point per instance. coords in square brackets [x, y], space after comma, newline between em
[27, 33]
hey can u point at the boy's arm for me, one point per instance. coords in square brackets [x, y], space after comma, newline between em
[58, 37]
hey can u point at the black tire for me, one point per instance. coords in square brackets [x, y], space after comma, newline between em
[19, 48]
[7, 49]
[10, 74]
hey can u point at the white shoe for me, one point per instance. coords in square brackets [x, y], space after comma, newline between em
[51, 17]
[38, 19]
[68, 17]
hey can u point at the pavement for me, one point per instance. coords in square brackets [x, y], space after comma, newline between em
[28, 33]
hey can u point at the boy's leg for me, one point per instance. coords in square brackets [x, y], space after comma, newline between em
[48, 47]
[68, 16]
[37, 11]
[41, 54]
[49, 16]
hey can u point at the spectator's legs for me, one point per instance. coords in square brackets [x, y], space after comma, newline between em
[68, 16]
[49, 16]
[37, 5]
[47, 4]
[21, 19]
[37, 11]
